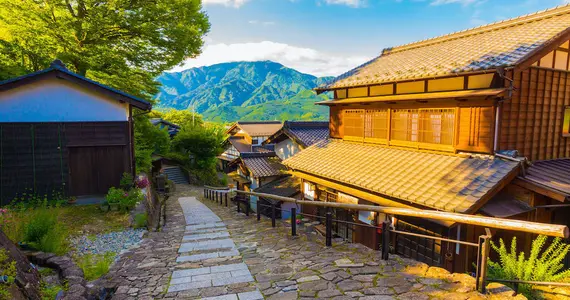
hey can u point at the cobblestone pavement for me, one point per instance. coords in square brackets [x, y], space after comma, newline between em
[287, 267]
[196, 256]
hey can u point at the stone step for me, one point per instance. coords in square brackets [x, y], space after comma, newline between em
[206, 236]
[209, 276]
[207, 245]
[206, 230]
[253, 295]
[205, 226]
[204, 256]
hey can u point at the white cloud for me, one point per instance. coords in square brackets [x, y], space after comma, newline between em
[305, 60]
[353, 3]
[234, 3]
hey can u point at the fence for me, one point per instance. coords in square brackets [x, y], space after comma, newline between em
[483, 245]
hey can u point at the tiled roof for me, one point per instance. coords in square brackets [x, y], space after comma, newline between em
[263, 164]
[554, 174]
[500, 44]
[240, 144]
[439, 181]
[285, 187]
[261, 128]
[304, 133]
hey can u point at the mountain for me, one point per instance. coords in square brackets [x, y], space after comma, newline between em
[261, 90]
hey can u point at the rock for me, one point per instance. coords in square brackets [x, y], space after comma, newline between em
[329, 293]
[416, 268]
[290, 288]
[364, 278]
[354, 294]
[378, 291]
[347, 263]
[285, 283]
[498, 289]
[463, 279]
[413, 296]
[437, 272]
[349, 285]
[391, 281]
[308, 278]
[284, 296]
[328, 276]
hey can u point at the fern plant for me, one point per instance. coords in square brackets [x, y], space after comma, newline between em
[540, 265]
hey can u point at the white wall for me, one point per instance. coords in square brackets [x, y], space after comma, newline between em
[286, 149]
[58, 100]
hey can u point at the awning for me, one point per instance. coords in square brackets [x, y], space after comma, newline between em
[504, 205]
[419, 96]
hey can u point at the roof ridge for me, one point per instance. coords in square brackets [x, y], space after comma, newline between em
[531, 17]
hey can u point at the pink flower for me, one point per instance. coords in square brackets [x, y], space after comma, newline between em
[126, 194]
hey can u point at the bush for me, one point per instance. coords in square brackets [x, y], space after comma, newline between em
[7, 268]
[127, 181]
[538, 266]
[131, 198]
[114, 195]
[95, 265]
[141, 220]
[43, 232]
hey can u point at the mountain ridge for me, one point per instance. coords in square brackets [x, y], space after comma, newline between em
[242, 90]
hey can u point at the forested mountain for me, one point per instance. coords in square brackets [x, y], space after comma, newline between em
[262, 90]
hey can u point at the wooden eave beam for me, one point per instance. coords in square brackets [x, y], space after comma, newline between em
[540, 189]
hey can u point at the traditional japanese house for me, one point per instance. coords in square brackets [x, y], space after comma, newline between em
[296, 136]
[162, 124]
[246, 137]
[257, 169]
[446, 124]
[63, 133]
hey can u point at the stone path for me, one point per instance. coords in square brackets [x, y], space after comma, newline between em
[206, 239]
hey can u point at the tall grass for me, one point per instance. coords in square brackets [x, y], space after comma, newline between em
[95, 265]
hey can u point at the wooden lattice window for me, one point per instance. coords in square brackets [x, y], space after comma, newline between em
[437, 126]
[405, 125]
[376, 124]
[566, 124]
[433, 125]
[353, 124]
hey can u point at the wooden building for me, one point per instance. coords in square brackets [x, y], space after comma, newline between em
[296, 136]
[475, 122]
[63, 133]
[246, 137]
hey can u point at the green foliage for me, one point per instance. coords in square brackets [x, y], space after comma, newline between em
[49, 292]
[149, 139]
[121, 43]
[127, 180]
[95, 265]
[114, 195]
[540, 265]
[43, 232]
[201, 144]
[29, 199]
[141, 220]
[7, 268]
[182, 118]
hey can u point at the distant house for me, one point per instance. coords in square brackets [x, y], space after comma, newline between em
[171, 127]
[63, 133]
[246, 137]
[295, 136]
[257, 169]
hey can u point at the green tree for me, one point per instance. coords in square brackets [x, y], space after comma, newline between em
[149, 139]
[121, 43]
[201, 143]
[182, 118]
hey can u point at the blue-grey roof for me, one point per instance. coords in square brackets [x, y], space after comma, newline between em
[305, 133]
[58, 66]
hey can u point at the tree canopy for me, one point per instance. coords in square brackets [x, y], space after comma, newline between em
[122, 43]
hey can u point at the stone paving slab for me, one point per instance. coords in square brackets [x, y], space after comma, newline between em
[204, 226]
[207, 245]
[204, 256]
[205, 236]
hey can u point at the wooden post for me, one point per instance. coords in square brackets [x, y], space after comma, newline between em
[293, 221]
[258, 212]
[237, 204]
[204, 192]
[226, 199]
[273, 215]
[329, 228]
[247, 208]
[385, 240]
[482, 260]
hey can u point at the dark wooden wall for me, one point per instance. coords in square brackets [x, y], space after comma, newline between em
[34, 157]
[531, 121]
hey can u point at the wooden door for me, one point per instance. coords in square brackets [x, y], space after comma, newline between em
[93, 170]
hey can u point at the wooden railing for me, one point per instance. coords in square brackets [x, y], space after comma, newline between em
[483, 246]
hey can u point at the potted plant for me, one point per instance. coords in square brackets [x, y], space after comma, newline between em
[114, 196]
[72, 200]
[104, 206]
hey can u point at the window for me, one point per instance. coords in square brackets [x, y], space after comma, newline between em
[376, 124]
[354, 124]
[433, 126]
[254, 141]
[566, 125]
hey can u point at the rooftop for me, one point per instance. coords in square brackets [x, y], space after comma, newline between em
[263, 164]
[439, 181]
[261, 128]
[303, 133]
[501, 44]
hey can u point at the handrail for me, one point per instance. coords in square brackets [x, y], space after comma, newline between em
[515, 225]
[225, 188]
[565, 284]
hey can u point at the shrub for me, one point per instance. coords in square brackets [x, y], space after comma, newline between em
[127, 181]
[142, 183]
[114, 195]
[131, 198]
[54, 241]
[7, 268]
[96, 265]
[141, 220]
[538, 266]
[39, 224]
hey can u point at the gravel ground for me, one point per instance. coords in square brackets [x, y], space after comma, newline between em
[109, 242]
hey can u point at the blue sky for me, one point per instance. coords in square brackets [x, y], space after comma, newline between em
[328, 37]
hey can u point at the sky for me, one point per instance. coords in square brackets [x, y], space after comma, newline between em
[330, 37]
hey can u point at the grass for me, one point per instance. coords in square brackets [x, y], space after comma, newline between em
[95, 265]
[49, 292]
